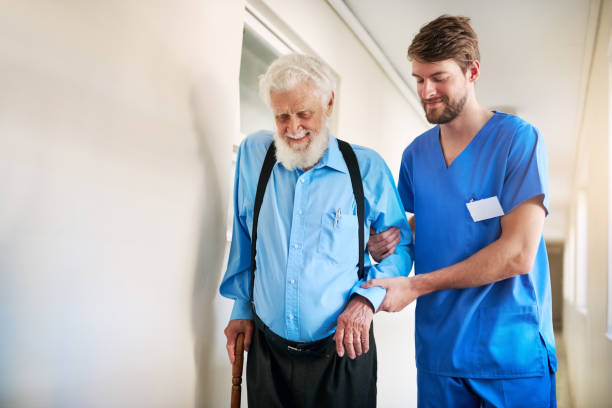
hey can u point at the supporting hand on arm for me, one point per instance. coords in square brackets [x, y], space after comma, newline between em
[401, 292]
[382, 245]
[513, 253]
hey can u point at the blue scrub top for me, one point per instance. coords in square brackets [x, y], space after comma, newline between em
[499, 330]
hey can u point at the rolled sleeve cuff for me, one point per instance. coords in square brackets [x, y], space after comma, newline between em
[375, 294]
[242, 310]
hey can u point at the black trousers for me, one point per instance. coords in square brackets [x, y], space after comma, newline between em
[286, 374]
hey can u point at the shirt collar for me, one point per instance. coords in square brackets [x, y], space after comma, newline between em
[333, 157]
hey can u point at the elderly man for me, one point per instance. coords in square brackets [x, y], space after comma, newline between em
[303, 205]
[477, 185]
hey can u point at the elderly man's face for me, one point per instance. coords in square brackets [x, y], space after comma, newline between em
[299, 115]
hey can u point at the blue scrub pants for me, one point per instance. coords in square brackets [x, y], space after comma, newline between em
[441, 391]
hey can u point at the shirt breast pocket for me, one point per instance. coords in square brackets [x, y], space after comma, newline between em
[338, 239]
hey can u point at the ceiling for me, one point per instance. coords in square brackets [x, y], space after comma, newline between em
[535, 57]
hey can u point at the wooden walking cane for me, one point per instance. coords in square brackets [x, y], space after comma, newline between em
[237, 371]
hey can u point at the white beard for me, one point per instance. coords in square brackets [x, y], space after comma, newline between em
[303, 159]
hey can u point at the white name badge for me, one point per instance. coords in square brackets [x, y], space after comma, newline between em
[485, 209]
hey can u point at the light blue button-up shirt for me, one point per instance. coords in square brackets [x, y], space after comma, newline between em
[307, 239]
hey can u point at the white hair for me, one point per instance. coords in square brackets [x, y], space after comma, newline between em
[289, 70]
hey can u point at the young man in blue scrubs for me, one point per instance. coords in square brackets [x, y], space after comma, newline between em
[477, 185]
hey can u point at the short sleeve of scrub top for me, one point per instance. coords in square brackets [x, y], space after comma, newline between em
[526, 171]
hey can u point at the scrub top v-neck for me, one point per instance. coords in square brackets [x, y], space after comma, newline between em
[464, 150]
[500, 330]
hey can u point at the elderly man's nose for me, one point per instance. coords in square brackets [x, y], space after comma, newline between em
[294, 125]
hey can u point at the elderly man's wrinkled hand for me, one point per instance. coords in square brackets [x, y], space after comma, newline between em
[235, 327]
[353, 331]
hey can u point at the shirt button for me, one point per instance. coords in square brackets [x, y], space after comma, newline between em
[290, 317]
[296, 246]
[300, 212]
[293, 281]
[301, 180]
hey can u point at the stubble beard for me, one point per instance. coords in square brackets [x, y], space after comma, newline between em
[450, 112]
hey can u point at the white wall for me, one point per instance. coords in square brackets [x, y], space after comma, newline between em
[116, 120]
[589, 351]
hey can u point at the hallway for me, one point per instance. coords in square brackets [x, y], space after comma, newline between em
[119, 128]
[564, 399]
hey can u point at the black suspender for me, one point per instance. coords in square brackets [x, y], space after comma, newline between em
[353, 167]
[264, 176]
[266, 170]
